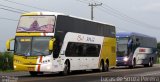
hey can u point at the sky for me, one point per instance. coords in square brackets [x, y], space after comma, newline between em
[142, 16]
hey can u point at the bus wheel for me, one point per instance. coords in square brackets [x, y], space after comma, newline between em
[102, 67]
[150, 64]
[107, 66]
[66, 69]
[133, 64]
[33, 73]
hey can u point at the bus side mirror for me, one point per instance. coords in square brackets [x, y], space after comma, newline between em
[8, 44]
[51, 42]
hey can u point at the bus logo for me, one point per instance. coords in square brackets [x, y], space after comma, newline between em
[90, 39]
[142, 50]
[80, 38]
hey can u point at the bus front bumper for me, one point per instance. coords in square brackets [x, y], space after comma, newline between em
[37, 67]
[122, 63]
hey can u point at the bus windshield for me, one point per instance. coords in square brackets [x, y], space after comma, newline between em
[122, 44]
[32, 46]
[36, 24]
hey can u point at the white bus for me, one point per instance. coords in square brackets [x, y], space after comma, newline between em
[54, 42]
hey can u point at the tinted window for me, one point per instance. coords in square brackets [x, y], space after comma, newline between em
[70, 24]
[92, 50]
[82, 50]
[32, 46]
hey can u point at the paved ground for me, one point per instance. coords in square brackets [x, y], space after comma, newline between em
[120, 74]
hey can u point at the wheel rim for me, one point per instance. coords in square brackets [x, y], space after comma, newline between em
[149, 63]
[101, 67]
[134, 63]
[66, 69]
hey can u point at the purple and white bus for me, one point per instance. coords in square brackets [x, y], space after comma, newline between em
[135, 49]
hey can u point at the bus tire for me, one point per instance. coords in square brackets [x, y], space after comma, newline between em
[150, 63]
[66, 69]
[33, 73]
[133, 64]
[102, 67]
[145, 65]
[107, 66]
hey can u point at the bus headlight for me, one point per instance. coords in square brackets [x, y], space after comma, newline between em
[125, 59]
[15, 67]
[48, 67]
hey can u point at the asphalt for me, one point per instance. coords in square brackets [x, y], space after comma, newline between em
[119, 74]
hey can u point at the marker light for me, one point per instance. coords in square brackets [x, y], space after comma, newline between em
[125, 59]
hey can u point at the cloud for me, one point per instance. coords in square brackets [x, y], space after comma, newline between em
[152, 7]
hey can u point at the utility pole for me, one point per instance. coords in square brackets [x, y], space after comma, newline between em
[92, 6]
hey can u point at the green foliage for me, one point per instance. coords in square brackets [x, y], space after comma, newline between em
[6, 61]
[158, 47]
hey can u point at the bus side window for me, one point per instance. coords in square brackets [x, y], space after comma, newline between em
[69, 49]
[80, 50]
[92, 50]
[72, 49]
[137, 42]
[130, 46]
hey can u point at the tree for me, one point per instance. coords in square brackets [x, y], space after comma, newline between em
[158, 47]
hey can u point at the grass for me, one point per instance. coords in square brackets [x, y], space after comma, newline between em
[6, 61]
[7, 71]
[158, 60]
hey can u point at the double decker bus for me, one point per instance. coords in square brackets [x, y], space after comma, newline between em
[135, 49]
[55, 42]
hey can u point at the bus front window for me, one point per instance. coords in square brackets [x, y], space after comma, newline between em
[40, 46]
[23, 45]
[32, 46]
[36, 24]
[122, 44]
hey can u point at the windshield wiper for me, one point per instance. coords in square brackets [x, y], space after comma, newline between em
[27, 52]
[38, 52]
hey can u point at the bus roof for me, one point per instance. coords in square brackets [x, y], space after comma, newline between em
[128, 34]
[56, 14]
[41, 13]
